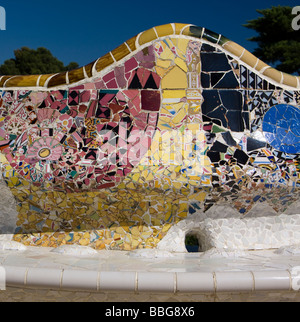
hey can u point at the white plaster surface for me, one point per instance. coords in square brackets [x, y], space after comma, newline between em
[222, 227]
[75, 250]
[8, 210]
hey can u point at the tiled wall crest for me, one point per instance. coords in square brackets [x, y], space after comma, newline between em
[113, 154]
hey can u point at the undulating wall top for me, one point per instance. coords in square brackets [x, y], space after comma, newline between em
[176, 119]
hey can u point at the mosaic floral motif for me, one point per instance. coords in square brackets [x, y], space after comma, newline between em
[116, 160]
[45, 149]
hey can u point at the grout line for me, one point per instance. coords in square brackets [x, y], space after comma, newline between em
[25, 276]
[61, 278]
[38, 81]
[136, 284]
[112, 56]
[175, 283]
[291, 279]
[215, 281]
[253, 277]
[98, 281]
[128, 47]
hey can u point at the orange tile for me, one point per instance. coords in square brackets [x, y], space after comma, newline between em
[120, 52]
[131, 43]
[89, 69]
[22, 81]
[43, 79]
[104, 61]
[76, 75]
[4, 79]
[59, 79]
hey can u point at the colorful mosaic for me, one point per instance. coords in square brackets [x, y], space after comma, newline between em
[178, 118]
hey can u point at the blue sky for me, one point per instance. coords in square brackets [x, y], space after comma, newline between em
[84, 30]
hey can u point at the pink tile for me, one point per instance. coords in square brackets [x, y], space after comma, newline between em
[130, 65]
[109, 77]
[112, 84]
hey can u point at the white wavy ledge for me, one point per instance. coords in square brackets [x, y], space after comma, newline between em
[136, 282]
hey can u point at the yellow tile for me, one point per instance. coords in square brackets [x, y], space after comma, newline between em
[15, 181]
[180, 115]
[170, 42]
[234, 48]
[84, 242]
[273, 74]
[177, 185]
[182, 45]
[175, 79]
[249, 58]
[163, 63]
[198, 196]
[181, 63]
[147, 36]
[179, 27]
[261, 65]
[174, 94]
[160, 71]
[167, 54]
[289, 80]
[164, 30]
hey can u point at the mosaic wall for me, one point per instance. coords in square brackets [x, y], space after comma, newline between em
[111, 155]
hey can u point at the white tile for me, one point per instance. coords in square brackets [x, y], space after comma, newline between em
[271, 280]
[81, 280]
[234, 281]
[195, 282]
[43, 277]
[118, 281]
[156, 282]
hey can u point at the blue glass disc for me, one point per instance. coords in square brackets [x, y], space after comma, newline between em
[281, 127]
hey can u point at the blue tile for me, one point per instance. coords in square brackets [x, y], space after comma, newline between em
[281, 126]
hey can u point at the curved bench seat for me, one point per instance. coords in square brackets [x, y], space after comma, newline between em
[172, 122]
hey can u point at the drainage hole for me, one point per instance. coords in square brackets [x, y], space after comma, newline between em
[192, 243]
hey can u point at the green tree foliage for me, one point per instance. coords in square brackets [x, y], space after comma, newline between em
[278, 43]
[34, 62]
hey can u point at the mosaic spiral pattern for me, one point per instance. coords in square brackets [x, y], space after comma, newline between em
[170, 123]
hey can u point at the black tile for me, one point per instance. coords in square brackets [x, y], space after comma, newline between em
[232, 100]
[235, 121]
[241, 156]
[205, 80]
[214, 62]
[207, 48]
[219, 147]
[229, 139]
[228, 81]
[253, 144]
[211, 101]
